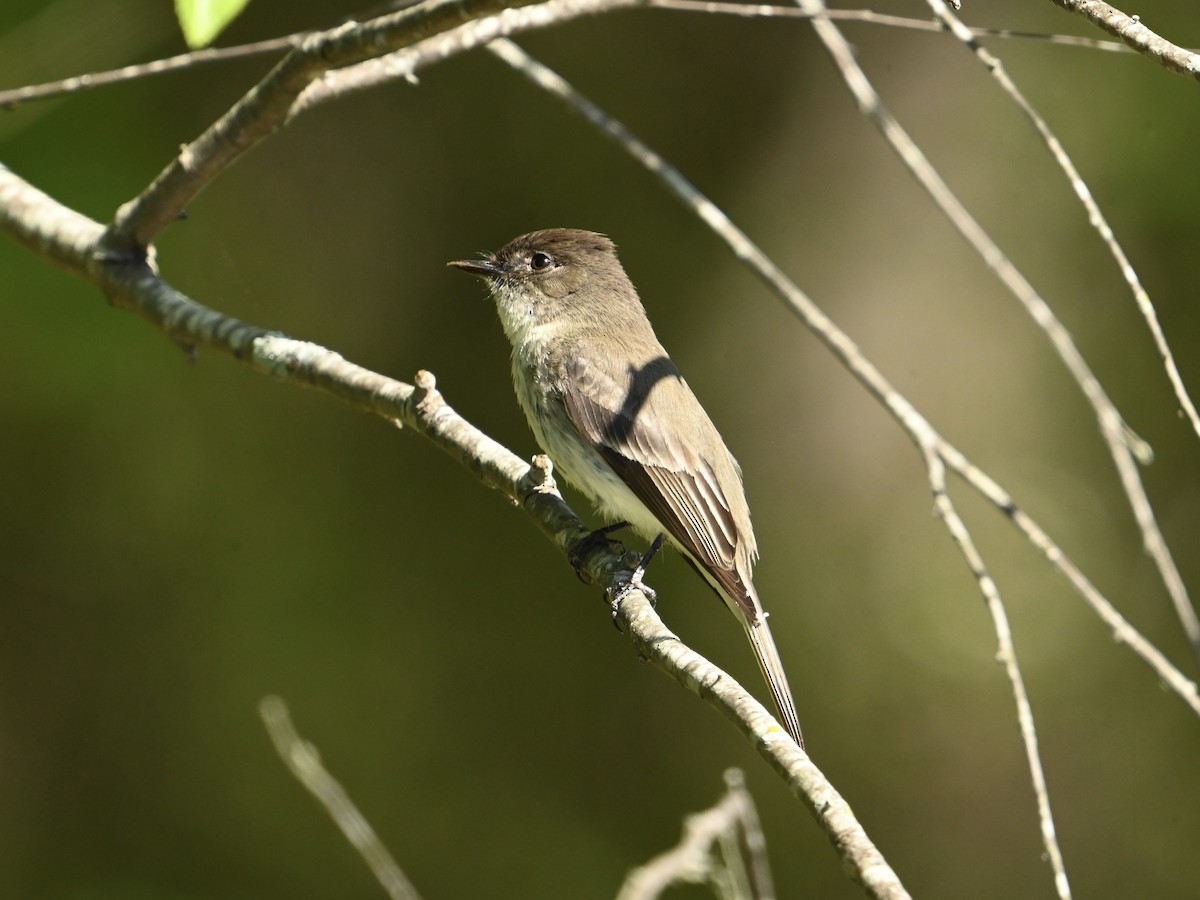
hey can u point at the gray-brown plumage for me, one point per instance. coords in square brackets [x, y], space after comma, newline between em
[610, 408]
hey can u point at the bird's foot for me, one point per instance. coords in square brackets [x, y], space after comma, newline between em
[578, 556]
[618, 592]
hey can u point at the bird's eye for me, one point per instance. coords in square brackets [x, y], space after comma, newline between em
[540, 261]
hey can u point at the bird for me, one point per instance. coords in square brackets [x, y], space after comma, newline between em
[607, 404]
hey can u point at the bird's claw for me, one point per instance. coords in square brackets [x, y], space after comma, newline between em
[620, 591]
[578, 556]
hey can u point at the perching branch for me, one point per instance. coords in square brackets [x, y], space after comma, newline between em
[75, 243]
[655, 643]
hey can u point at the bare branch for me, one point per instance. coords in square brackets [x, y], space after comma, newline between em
[14, 97]
[1153, 539]
[1122, 443]
[1095, 216]
[1140, 38]
[265, 108]
[1126, 449]
[304, 762]
[403, 64]
[870, 17]
[657, 644]
[731, 824]
[1007, 654]
[75, 242]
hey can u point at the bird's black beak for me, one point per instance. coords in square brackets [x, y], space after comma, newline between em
[484, 268]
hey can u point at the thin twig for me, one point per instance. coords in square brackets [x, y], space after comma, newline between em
[870, 17]
[1152, 537]
[753, 836]
[13, 97]
[1095, 216]
[1124, 446]
[10, 99]
[730, 824]
[1131, 30]
[403, 64]
[266, 107]
[844, 348]
[304, 763]
[1007, 654]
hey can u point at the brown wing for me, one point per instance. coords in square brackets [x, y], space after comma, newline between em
[677, 475]
[689, 481]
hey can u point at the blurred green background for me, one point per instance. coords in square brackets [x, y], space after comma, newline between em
[180, 539]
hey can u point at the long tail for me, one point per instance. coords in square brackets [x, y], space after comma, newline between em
[772, 669]
[736, 590]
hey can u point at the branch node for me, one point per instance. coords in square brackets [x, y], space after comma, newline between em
[119, 252]
[540, 477]
[428, 398]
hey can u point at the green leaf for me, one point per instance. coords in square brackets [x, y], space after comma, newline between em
[203, 20]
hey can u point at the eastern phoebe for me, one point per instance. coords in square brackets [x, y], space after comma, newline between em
[614, 414]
